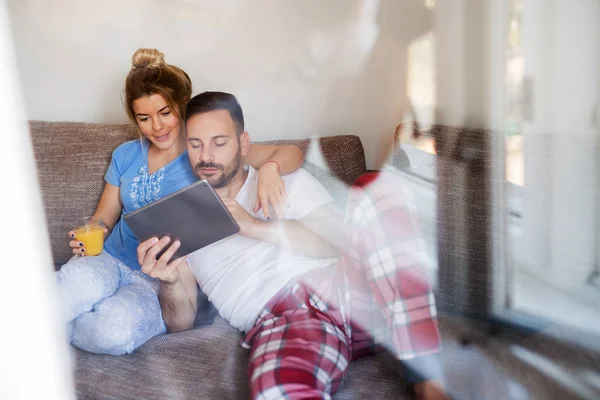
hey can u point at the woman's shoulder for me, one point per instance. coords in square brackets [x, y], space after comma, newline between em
[130, 145]
[128, 155]
[128, 150]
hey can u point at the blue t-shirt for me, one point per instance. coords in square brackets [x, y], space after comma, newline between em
[129, 171]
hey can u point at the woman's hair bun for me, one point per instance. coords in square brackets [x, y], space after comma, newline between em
[148, 58]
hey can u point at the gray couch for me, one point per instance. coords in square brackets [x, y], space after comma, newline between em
[207, 362]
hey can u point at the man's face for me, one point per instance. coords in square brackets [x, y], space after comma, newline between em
[214, 149]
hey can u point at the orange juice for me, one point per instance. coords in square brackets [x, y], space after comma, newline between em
[92, 237]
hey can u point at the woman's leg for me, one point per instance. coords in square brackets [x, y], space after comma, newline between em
[84, 281]
[122, 322]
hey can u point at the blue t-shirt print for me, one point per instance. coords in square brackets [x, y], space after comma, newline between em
[145, 188]
[129, 171]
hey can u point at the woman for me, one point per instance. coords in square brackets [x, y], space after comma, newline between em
[111, 306]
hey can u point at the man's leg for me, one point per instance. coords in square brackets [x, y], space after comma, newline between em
[384, 265]
[297, 351]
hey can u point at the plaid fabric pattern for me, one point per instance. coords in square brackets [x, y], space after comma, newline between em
[377, 295]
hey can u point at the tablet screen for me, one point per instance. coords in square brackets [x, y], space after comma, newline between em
[195, 216]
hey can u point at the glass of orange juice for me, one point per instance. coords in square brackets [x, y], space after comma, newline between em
[91, 233]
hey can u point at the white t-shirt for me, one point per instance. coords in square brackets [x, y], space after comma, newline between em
[240, 275]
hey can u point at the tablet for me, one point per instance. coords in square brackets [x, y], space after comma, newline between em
[194, 215]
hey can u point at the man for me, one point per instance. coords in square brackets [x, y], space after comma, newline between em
[307, 309]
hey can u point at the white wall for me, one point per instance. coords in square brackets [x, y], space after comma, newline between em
[299, 68]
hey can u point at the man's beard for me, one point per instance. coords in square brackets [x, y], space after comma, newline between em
[227, 173]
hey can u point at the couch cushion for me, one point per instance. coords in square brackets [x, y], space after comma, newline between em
[342, 157]
[72, 158]
[205, 363]
[335, 161]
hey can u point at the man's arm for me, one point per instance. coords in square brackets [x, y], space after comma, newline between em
[318, 234]
[178, 288]
[178, 300]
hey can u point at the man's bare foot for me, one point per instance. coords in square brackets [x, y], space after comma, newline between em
[430, 390]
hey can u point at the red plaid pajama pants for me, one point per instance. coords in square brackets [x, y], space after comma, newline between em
[376, 296]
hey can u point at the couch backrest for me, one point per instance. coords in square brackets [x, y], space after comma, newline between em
[72, 158]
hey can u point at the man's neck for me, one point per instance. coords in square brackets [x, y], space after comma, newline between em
[233, 188]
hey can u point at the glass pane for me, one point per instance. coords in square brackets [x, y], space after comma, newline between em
[551, 163]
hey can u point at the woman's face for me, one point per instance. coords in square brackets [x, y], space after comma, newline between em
[157, 121]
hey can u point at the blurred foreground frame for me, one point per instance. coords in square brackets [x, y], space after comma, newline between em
[474, 267]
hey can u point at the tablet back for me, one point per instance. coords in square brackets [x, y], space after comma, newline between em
[195, 216]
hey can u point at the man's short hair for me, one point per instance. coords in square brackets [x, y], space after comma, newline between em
[214, 101]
